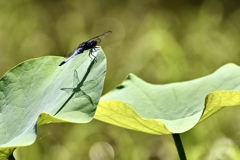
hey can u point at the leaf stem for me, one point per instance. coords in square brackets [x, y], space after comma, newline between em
[180, 149]
[11, 157]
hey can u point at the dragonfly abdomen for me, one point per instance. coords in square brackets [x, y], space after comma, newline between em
[76, 52]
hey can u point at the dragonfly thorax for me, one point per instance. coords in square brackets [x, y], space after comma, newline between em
[88, 45]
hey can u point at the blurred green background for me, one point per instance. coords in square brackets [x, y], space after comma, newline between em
[161, 42]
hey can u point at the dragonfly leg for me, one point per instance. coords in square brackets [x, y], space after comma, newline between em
[91, 55]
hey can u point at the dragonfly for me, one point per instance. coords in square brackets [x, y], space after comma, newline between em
[90, 45]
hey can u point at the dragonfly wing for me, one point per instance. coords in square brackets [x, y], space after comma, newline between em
[101, 36]
[69, 53]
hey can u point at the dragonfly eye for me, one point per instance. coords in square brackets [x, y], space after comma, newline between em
[93, 43]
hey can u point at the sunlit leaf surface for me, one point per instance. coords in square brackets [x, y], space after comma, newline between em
[38, 91]
[169, 108]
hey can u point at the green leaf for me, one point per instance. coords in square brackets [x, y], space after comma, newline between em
[219, 99]
[169, 108]
[34, 93]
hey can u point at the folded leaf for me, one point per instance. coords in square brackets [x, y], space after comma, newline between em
[32, 94]
[169, 108]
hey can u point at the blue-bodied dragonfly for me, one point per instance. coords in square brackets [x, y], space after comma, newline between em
[89, 44]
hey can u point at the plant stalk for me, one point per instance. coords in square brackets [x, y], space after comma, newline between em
[11, 157]
[180, 149]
